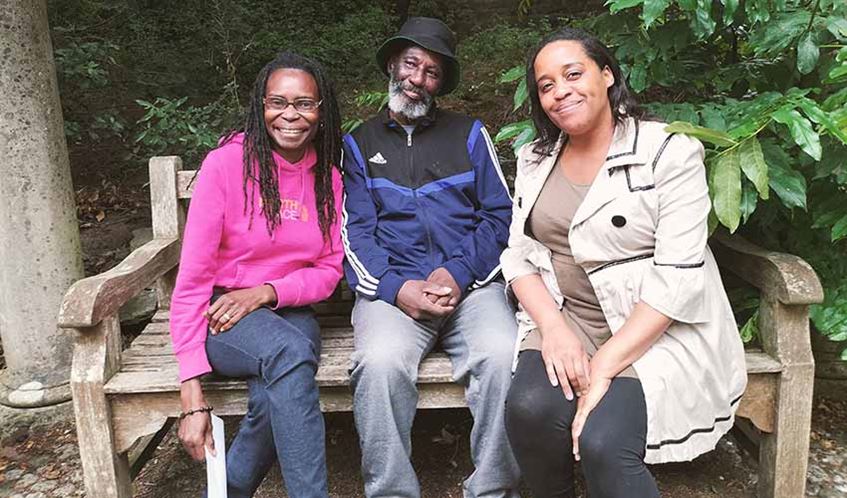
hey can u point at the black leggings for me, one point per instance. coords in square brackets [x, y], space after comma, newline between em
[538, 422]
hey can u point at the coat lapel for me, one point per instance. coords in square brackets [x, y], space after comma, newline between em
[537, 177]
[608, 184]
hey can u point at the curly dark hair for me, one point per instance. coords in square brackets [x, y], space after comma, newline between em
[259, 166]
[622, 102]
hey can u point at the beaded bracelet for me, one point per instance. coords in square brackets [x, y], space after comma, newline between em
[202, 409]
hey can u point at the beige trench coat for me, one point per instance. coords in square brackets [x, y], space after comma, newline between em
[640, 235]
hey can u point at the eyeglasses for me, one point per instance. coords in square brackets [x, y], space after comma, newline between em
[300, 105]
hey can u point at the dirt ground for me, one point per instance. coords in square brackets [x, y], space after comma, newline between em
[39, 459]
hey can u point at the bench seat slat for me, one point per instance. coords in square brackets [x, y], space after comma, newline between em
[149, 366]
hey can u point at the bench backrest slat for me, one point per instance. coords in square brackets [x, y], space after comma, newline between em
[185, 183]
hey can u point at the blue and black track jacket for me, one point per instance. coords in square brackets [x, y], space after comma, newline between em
[417, 202]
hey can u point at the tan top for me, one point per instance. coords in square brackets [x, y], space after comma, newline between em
[549, 222]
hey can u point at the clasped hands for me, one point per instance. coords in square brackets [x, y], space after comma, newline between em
[568, 366]
[434, 297]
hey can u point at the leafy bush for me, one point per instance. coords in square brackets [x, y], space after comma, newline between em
[170, 128]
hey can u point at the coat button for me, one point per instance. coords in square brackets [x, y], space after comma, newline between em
[618, 220]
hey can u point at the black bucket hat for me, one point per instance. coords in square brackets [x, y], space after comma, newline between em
[430, 34]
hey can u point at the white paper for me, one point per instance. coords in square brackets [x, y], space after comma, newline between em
[216, 465]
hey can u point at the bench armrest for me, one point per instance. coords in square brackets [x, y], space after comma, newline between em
[90, 300]
[786, 277]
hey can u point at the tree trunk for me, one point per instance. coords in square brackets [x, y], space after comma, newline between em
[39, 240]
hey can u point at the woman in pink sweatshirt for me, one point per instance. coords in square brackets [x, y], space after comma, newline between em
[262, 242]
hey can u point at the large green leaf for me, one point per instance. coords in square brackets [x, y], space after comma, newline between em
[836, 73]
[653, 9]
[749, 199]
[638, 78]
[619, 5]
[821, 117]
[750, 330]
[716, 137]
[513, 74]
[702, 22]
[754, 166]
[520, 95]
[729, 8]
[801, 130]
[727, 188]
[789, 184]
[512, 130]
[525, 137]
[807, 54]
[837, 26]
[775, 37]
[839, 229]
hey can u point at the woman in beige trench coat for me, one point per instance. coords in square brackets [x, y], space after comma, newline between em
[628, 352]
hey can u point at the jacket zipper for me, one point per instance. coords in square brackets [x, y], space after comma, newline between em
[422, 212]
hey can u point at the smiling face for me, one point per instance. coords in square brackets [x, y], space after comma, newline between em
[416, 76]
[572, 89]
[291, 131]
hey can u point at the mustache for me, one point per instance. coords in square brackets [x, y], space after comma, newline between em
[399, 86]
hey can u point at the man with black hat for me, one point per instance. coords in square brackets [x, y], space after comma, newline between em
[426, 216]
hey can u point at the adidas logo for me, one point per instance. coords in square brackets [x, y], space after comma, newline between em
[378, 159]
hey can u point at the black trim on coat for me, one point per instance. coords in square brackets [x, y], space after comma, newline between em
[699, 430]
[653, 166]
[661, 150]
[682, 265]
[620, 262]
[634, 145]
[635, 189]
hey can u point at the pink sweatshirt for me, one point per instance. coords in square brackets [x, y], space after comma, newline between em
[218, 249]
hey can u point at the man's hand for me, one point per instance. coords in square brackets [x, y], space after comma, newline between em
[235, 305]
[413, 299]
[441, 277]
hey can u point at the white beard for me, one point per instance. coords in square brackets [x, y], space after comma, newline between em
[400, 104]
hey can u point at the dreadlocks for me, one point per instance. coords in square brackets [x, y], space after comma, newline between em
[259, 165]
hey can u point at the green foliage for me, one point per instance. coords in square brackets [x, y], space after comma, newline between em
[86, 63]
[168, 127]
[365, 102]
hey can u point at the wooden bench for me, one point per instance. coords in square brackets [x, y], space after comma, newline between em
[124, 401]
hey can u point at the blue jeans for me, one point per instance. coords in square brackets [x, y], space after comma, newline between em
[479, 338]
[277, 352]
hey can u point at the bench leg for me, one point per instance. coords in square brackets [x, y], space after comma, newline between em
[784, 453]
[95, 359]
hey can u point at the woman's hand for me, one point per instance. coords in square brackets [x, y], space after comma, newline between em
[235, 305]
[195, 431]
[565, 359]
[587, 403]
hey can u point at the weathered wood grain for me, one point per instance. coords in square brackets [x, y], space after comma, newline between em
[139, 415]
[784, 453]
[92, 299]
[790, 279]
[167, 212]
[96, 357]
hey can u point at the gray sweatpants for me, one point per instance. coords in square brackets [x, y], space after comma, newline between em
[479, 338]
